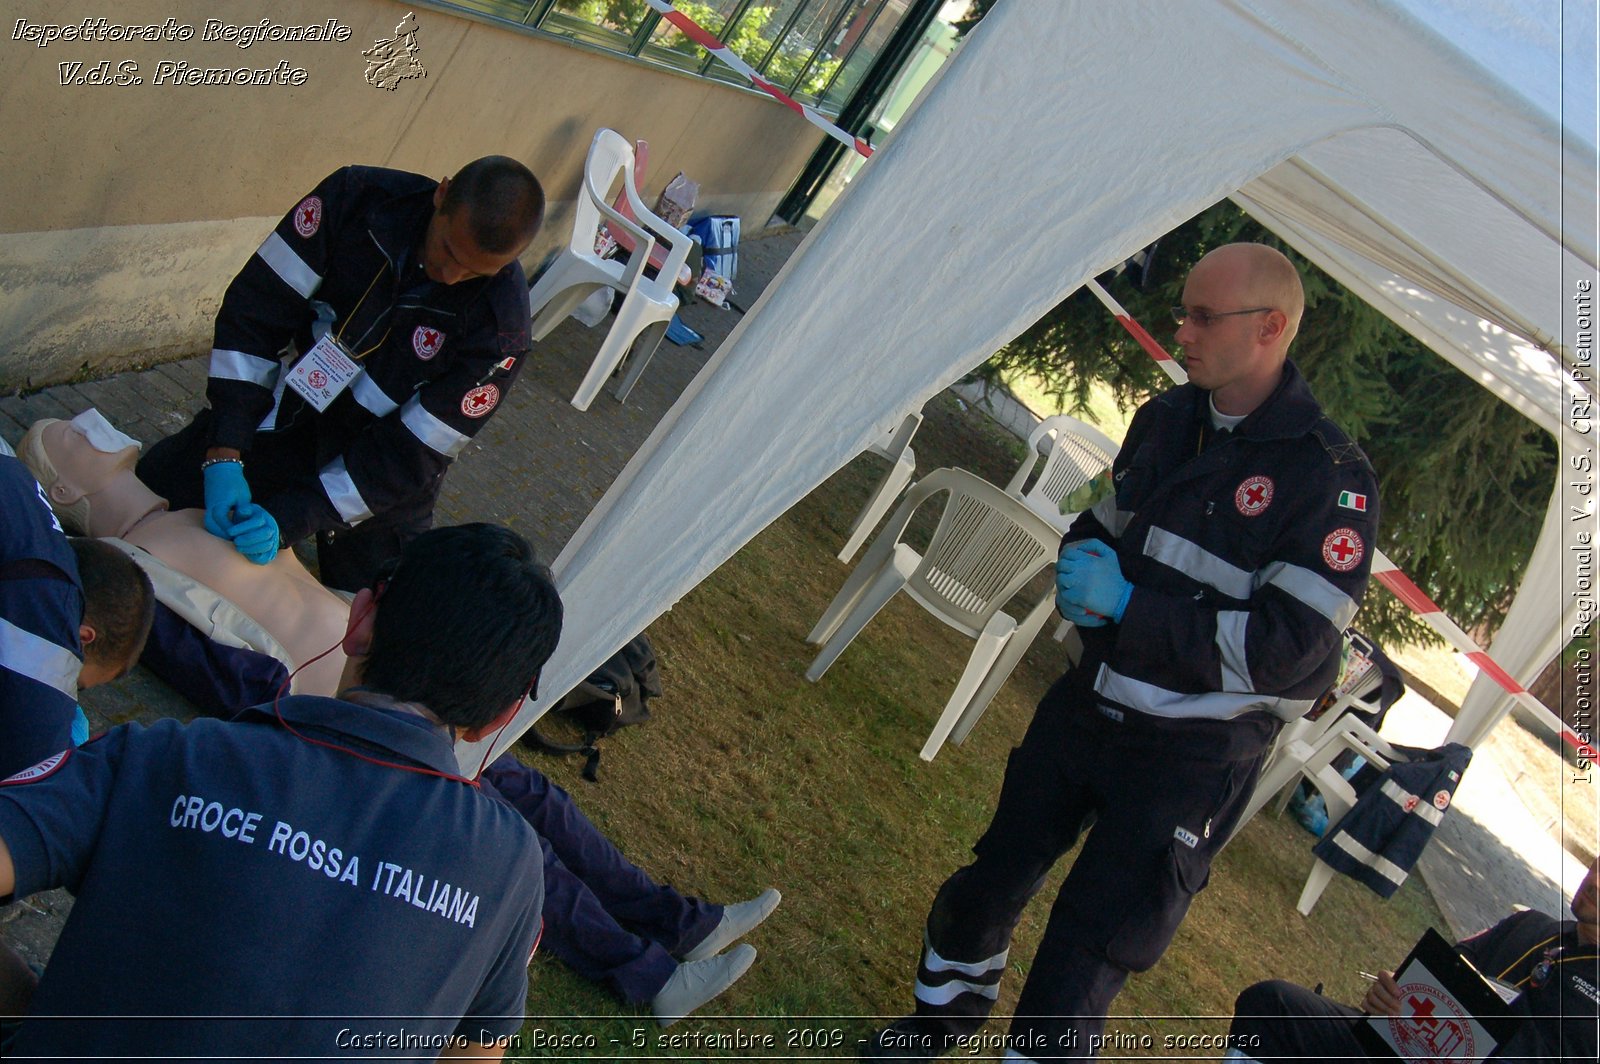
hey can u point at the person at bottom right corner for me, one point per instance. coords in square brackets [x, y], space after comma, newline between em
[1554, 963]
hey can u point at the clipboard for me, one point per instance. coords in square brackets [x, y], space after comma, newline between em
[1451, 1012]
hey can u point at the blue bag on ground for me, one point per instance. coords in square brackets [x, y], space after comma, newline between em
[719, 236]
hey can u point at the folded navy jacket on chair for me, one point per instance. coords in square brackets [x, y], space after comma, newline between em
[1380, 839]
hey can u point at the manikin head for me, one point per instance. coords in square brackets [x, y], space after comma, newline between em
[76, 459]
[1250, 299]
[483, 218]
[73, 460]
[462, 625]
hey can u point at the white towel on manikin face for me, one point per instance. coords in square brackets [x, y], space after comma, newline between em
[101, 434]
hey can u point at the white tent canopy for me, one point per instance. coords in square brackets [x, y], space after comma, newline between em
[1436, 156]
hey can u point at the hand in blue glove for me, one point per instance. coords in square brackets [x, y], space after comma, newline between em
[1089, 577]
[226, 493]
[1076, 614]
[255, 533]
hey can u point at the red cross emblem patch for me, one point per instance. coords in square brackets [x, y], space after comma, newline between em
[317, 379]
[1432, 1025]
[1441, 801]
[308, 216]
[1342, 550]
[1410, 803]
[426, 342]
[1253, 496]
[481, 400]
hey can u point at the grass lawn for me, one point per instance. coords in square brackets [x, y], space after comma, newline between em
[1103, 410]
[748, 777]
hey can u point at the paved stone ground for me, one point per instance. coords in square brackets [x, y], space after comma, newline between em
[539, 466]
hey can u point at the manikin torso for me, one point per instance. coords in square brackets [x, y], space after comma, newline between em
[281, 596]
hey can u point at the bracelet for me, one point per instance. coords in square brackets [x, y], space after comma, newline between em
[209, 462]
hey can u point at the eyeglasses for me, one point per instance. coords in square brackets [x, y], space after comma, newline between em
[1202, 318]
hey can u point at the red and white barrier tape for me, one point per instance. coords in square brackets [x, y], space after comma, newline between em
[704, 38]
[1384, 571]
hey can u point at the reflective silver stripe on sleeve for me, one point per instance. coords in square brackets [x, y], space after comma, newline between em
[945, 993]
[1212, 705]
[342, 492]
[1194, 560]
[1115, 521]
[431, 431]
[1378, 863]
[35, 657]
[289, 266]
[369, 395]
[1231, 625]
[238, 366]
[1315, 591]
[1400, 796]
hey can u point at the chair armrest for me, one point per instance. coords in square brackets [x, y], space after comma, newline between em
[675, 240]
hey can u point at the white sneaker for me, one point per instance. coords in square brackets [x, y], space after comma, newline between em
[737, 921]
[697, 982]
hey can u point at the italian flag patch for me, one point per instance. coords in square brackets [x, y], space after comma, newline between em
[1353, 500]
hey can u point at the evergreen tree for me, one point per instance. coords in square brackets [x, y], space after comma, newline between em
[1464, 478]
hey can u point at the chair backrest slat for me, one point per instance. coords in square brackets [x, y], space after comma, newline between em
[986, 546]
[1078, 453]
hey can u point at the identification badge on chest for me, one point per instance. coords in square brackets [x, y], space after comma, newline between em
[323, 372]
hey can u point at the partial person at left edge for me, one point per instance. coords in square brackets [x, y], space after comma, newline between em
[73, 614]
[404, 311]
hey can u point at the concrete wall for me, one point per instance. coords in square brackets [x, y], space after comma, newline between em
[127, 208]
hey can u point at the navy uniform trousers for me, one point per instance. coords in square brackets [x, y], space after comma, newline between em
[603, 917]
[1159, 798]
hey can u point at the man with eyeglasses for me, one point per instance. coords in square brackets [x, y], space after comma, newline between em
[1210, 588]
[1550, 965]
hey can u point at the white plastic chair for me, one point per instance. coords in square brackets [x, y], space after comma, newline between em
[648, 304]
[895, 445]
[1362, 695]
[986, 547]
[1074, 453]
[1077, 452]
[1314, 763]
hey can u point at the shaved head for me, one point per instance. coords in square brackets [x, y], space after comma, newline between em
[1246, 303]
[1265, 277]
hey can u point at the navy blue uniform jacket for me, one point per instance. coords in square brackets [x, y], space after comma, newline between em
[1249, 555]
[437, 359]
[234, 869]
[41, 606]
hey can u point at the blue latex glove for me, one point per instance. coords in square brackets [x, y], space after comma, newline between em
[1088, 576]
[255, 533]
[1077, 615]
[226, 492]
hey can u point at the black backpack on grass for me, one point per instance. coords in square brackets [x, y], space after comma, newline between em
[614, 696]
